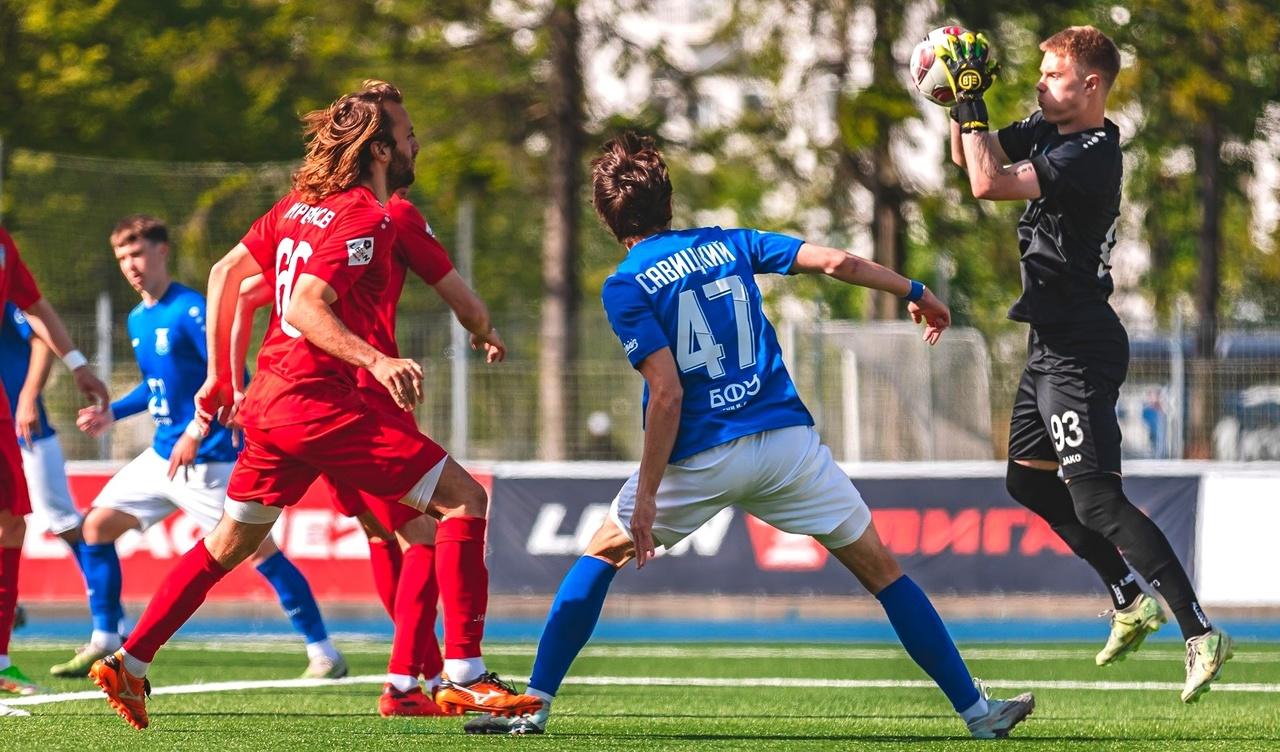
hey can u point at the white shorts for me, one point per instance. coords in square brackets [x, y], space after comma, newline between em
[785, 477]
[46, 472]
[142, 488]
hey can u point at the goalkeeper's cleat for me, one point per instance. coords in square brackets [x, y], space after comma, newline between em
[485, 694]
[415, 702]
[1206, 655]
[324, 667]
[79, 664]
[13, 681]
[126, 694]
[1129, 627]
[1002, 715]
[520, 725]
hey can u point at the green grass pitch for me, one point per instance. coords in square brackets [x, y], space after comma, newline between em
[751, 713]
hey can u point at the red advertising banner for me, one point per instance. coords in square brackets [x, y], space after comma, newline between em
[331, 550]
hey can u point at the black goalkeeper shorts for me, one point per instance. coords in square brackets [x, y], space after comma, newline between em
[1065, 409]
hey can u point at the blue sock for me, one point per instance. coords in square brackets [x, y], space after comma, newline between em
[102, 577]
[77, 553]
[571, 621]
[922, 633]
[295, 597]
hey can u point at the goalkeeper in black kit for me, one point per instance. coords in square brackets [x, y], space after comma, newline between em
[1064, 160]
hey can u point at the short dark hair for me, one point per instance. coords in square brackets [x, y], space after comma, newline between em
[137, 227]
[1088, 47]
[631, 190]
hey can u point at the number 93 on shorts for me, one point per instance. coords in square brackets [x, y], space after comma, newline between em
[1065, 419]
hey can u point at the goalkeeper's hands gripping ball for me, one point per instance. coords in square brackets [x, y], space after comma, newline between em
[970, 71]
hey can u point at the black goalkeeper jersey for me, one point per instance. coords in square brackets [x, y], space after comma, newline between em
[1066, 236]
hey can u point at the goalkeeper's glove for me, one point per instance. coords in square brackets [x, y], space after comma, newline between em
[970, 71]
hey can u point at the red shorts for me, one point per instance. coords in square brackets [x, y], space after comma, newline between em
[13, 484]
[381, 454]
[352, 501]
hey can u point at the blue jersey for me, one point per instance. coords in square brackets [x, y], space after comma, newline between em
[169, 344]
[694, 291]
[15, 357]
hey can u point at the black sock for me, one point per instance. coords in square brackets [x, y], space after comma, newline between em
[1101, 505]
[1044, 493]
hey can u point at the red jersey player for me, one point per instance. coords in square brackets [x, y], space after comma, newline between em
[325, 249]
[401, 538]
[17, 285]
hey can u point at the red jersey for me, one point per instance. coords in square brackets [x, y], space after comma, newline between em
[345, 240]
[16, 285]
[415, 248]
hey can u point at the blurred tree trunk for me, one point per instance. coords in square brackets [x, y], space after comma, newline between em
[557, 351]
[1202, 414]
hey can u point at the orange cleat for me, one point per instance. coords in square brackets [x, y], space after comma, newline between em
[486, 694]
[127, 694]
[393, 702]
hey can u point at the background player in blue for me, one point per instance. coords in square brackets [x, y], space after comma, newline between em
[184, 469]
[25, 362]
[725, 427]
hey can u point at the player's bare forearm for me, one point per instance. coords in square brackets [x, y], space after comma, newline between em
[225, 279]
[48, 326]
[37, 370]
[957, 147]
[313, 317]
[661, 419]
[848, 268]
[989, 177]
[466, 305]
[254, 294]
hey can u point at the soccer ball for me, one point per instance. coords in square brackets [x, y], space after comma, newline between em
[928, 73]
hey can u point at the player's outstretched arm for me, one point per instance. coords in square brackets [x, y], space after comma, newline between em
[26, 411]
[225, 279]
[853, 270]
[661, 425]
[254, 294]
[310, 313]
[473, 314]
[48, 326]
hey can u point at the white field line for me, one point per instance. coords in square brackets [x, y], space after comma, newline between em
[364, 646]
[671, 681]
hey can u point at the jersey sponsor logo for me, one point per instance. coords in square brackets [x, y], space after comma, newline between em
[681, 264]
[359, 251]
[732, 396]
[162, 342]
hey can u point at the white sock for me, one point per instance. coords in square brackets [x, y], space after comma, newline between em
[105, 640]
[322, 649]
[431, 684]
[538, 693]
[4, 662]
[463, 670]
[402, 682]
[975, 711]
[133, 665]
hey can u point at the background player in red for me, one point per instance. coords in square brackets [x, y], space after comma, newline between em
[325, 249]
[17, 285]
[401, 538]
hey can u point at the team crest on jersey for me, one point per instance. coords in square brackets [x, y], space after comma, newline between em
[630, 346]
[359, 251]
[162, 341]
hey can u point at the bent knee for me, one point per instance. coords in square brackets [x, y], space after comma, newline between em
[611, 544]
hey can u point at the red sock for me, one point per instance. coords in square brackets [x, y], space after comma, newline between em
[464, 584]
[9, 559]
[386, 560]
[415, 614]
[181, 593]
[430, 662]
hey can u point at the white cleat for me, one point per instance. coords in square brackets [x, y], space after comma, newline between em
[1206, 655]
[324, 667]
[1129, 628]
[1002, 715]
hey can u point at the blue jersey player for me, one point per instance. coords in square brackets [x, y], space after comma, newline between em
[725, 427]
[184, 468]
[25, 361]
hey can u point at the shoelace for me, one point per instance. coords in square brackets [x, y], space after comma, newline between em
[492, 678]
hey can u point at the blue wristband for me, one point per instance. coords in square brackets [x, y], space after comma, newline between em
[917, 292]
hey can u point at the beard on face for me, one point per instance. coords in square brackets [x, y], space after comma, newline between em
[400, 171]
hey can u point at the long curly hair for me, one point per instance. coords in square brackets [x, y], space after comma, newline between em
[338, 153]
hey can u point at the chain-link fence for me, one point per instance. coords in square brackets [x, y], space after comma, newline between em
[876, 391]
